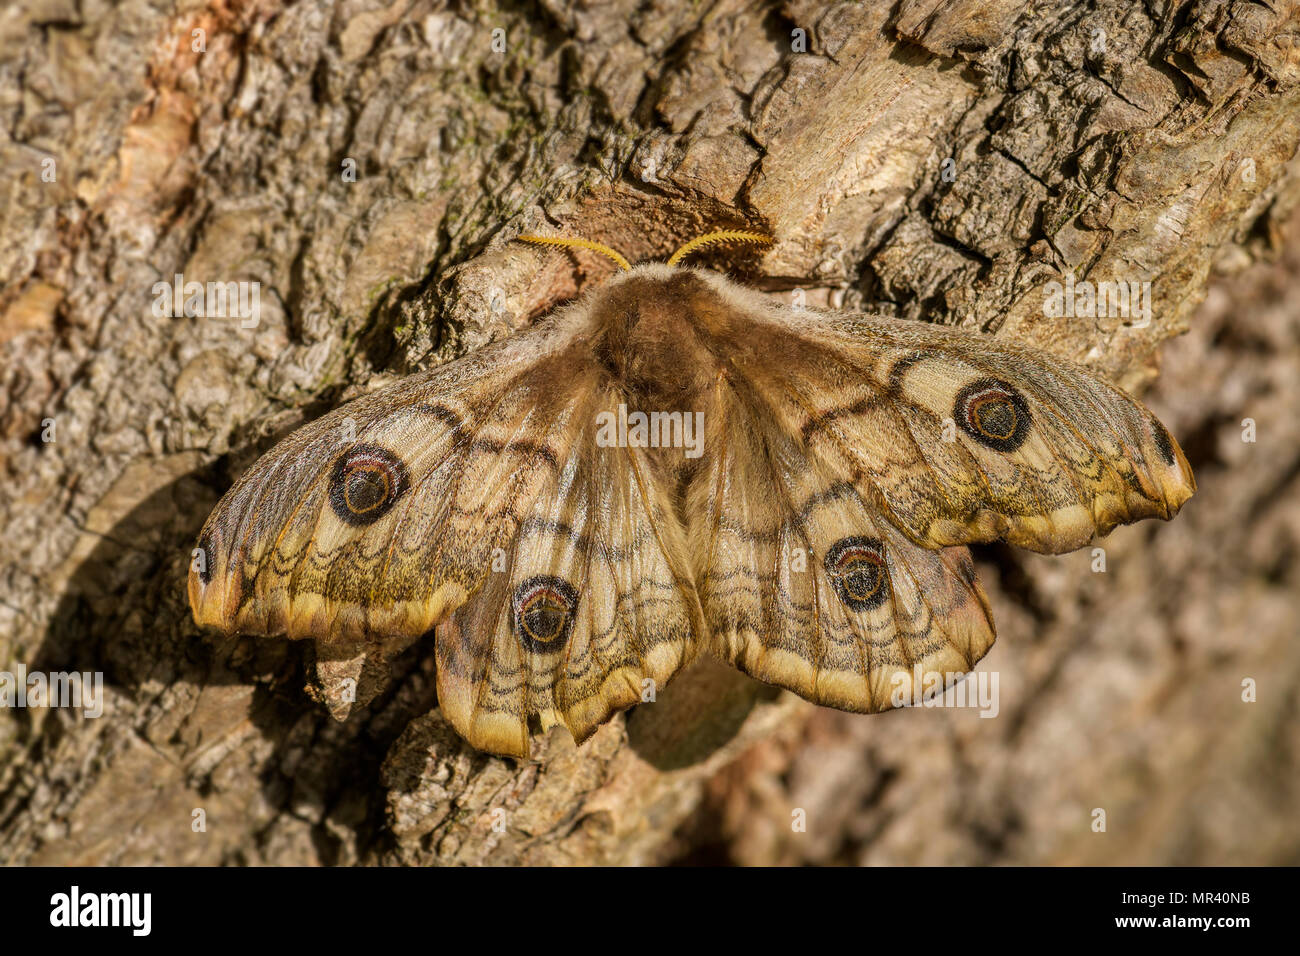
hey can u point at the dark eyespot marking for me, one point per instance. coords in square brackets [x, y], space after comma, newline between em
[1164, 443]
[857, 571]
[366, 483]
[205, 567]
[542, 612]
[993, 413]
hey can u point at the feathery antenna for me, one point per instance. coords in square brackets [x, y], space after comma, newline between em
[699, 242]
[711, 238]
[580, 244]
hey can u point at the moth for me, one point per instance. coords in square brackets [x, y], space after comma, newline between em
[674, 464]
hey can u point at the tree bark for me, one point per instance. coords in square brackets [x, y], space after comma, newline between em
[941, 160]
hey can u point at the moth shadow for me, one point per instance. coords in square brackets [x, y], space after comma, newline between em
[124, 613]
[699, 713]
[123, 619]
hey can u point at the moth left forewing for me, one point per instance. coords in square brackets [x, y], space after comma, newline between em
[261, 534]
[378, 519]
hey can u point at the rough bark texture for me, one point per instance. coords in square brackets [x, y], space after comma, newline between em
[1118, 141]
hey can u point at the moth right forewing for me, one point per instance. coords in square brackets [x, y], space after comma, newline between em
[1090, 453]
[896, 407]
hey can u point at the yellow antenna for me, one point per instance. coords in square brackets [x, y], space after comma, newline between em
[711, 238]
[580, 244]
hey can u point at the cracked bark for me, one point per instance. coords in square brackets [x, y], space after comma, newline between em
[1138, 143]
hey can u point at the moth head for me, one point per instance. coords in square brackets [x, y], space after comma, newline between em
[708, 239]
